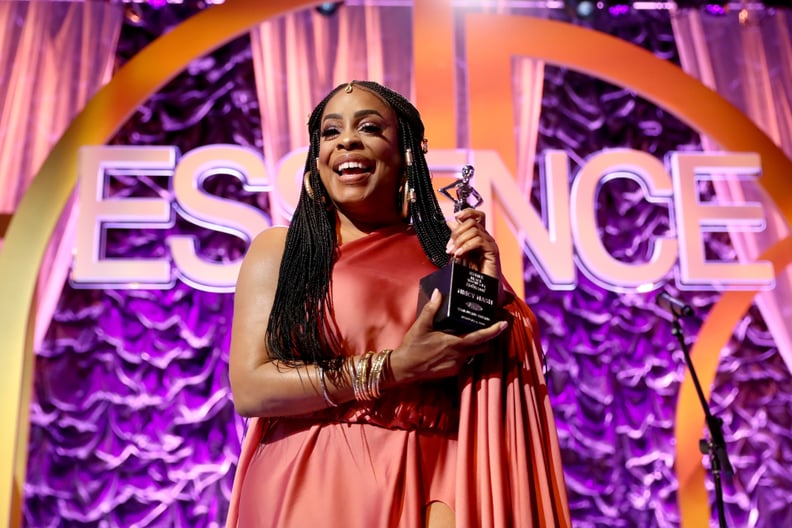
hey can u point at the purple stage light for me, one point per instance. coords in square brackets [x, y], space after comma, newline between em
[619, 10]
[715, 9]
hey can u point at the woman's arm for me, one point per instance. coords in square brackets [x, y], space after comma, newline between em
[261, 386]
[264, 387]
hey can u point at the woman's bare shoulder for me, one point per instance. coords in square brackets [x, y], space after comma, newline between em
[268, 243]
[265, 252]
[272, 235]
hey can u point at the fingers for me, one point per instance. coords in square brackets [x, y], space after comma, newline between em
[475, 215]
[467, 221]
[469, 238]
[485, 334]
[429, 354]
[466, 242]
[429, 310]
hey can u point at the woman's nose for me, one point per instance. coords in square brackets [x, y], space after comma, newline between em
[348, 139]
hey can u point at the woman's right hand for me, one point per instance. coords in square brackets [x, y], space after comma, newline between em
[426, 353]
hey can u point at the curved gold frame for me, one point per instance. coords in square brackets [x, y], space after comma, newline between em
[553, 42]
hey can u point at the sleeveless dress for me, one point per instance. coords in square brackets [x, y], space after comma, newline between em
[484, 442]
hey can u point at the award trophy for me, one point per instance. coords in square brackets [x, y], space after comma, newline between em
[469, 297]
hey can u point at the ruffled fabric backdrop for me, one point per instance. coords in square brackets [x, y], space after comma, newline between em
[132, 423]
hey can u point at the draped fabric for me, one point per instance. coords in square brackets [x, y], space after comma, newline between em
[508, 464]
[53, 57]
[749, 62]
[507, 438]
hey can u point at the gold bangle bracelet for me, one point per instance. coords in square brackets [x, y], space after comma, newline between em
[376, 372]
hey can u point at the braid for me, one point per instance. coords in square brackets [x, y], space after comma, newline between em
[425, 213]
[299, 329]
[302, 297]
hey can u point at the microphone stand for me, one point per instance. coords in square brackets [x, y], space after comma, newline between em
[716, 446]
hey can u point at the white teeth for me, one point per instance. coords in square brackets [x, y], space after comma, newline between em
[350, 165]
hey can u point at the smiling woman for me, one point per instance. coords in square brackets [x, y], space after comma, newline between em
[355, 400]
[359, 162]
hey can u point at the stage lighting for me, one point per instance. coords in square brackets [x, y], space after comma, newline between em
[328, 8]
[580, 8]
[716, 7]
[133, 14]
[619, 7]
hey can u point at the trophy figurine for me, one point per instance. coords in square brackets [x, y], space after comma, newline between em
[469, 297]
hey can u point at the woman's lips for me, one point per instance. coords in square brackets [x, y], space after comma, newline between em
[351, 178]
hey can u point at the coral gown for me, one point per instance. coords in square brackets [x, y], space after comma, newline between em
[484, 442]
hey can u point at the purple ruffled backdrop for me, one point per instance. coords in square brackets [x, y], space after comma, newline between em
[132, 424]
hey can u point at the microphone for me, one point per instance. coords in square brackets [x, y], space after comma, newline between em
[674, 305]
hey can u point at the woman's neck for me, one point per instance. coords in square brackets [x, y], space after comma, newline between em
[352, 229]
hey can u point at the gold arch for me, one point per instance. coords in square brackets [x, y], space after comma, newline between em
[37, 215]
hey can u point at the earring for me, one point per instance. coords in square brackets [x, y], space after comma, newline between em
[408, 198]
[307, 185]
[328, 204]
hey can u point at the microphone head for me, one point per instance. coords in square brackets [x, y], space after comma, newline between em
[673, 305]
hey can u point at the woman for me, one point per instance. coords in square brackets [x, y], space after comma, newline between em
[364, 416]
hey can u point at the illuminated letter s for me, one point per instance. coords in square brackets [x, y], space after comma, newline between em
[212, 212]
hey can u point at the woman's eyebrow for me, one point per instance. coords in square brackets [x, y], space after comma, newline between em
[359, 113]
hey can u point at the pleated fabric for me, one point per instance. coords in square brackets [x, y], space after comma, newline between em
[484, 443]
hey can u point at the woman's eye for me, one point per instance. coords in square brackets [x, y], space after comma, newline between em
[329, 132]
[370, 128]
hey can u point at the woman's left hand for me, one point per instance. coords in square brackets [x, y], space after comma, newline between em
[471, 242]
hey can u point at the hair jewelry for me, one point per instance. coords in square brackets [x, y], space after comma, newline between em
[408, 157]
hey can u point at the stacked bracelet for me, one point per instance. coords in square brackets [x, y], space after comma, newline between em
[366, 374]
[377, 365]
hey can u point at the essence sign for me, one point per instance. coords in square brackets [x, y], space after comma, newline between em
[561, 241]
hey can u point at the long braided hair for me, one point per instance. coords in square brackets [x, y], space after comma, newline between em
[299, 327]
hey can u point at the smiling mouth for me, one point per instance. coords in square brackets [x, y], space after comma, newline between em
[352, 169]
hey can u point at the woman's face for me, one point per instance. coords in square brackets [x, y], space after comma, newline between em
[360, 162]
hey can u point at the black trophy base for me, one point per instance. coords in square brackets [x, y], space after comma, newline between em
[469, 298]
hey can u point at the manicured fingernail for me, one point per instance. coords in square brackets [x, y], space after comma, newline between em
[502, 326]
[435, 294]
